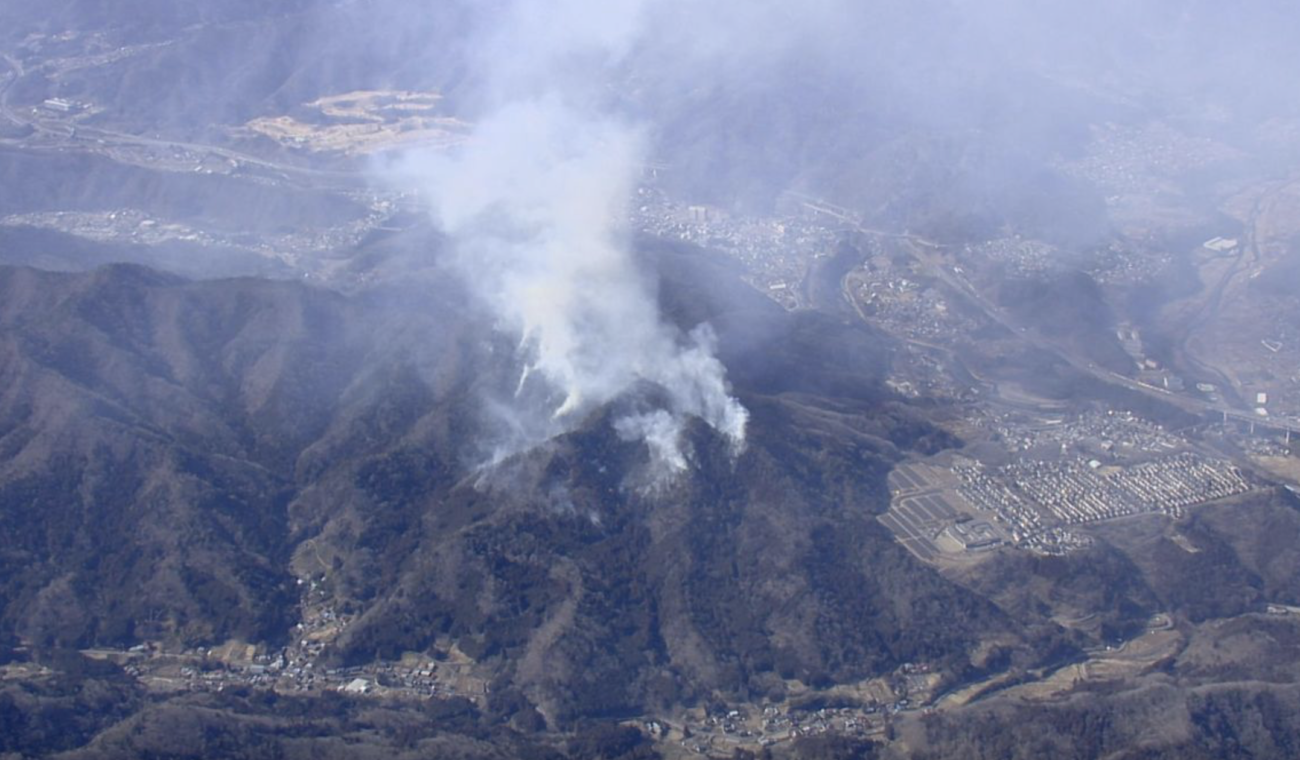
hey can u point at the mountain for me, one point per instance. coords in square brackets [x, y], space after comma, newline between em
[176, 452]
[254, 500]
[147, 423]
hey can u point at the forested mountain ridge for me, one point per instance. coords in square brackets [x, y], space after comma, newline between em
[172, 446]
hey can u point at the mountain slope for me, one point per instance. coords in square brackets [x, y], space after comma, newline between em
[173, 450]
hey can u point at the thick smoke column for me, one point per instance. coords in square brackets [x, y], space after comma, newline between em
[532, 205]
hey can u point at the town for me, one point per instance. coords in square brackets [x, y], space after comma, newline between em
[775, 252]
[1053, 477]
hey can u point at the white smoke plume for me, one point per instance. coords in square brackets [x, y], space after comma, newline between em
[531, 204]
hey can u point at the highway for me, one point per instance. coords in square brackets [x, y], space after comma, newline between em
[13, 75]
[96, 139]
[1188, 403]
[1210, 306]
[927, 253]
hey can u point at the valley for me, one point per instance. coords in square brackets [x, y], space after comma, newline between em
[1014, 475]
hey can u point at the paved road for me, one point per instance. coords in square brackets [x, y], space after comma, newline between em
[927, 253]
[14, 73]
[96, 137]
[1187, 403]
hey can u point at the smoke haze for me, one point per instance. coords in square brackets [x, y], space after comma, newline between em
[431, 386]
[948, 118]
[533, 205]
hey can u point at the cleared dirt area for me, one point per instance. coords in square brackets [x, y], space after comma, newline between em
[364, 122]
